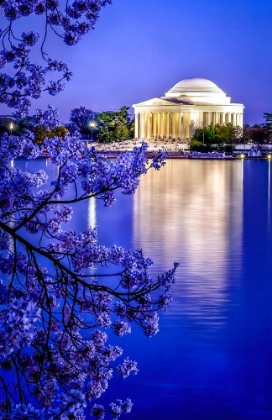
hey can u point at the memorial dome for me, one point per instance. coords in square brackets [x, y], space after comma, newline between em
[198, 90]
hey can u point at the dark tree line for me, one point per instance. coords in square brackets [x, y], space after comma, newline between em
[105, 127]
[225, 137]
[215, 137]
[260, 133]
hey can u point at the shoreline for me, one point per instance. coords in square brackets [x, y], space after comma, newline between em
[113, 154]
[173, 150]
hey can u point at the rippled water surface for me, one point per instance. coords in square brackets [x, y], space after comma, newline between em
[212, 359]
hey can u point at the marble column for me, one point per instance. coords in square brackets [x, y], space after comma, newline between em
[162, 124]
[223, 118]
[142, 125]
[190, 124]
[208, 120]
[159, 123]
[167, 124]
[191, 129]
[179, 125]
[234, 122]
[198, 119]
[148, 125]
[212, 117]
[174, 125]
[145, 125]
[182, 134]
[216, 118]
[136, 130]
[154, 120]
[184, 120]
[203, 122]
[187, 124]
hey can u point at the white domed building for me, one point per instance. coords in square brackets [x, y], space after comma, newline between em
[189, 104]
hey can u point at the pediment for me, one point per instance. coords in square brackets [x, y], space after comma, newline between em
[155, 102]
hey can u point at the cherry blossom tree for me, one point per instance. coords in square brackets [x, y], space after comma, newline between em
[61, 291]
[69, 20]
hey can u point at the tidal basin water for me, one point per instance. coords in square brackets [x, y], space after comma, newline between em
[212, 359]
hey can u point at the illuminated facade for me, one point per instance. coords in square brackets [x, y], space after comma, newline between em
[190, 103]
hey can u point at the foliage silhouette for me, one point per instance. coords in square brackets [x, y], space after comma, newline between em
[55, 305]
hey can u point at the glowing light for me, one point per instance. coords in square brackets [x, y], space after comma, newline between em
[268, 156]
[92, 126]
[242, 156]
[92, 212]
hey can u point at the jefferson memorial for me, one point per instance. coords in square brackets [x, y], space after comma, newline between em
[189, 104]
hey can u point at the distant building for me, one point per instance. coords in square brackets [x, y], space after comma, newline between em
[190, 103]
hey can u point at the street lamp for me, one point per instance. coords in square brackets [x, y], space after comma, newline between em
[92, 126]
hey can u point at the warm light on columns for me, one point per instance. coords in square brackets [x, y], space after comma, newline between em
[136, 126]
[167, 124]
[142, 125]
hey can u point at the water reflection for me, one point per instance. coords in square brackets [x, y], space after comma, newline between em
[269, 197]
[92, 212]
[213, 357]
[191, 212]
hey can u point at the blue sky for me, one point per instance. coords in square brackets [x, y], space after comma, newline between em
[141, 48]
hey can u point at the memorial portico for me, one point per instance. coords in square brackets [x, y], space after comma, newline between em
[189, 104]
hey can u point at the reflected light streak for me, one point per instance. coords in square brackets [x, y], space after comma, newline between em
[191, 212]
[92, 212]
[268, 197]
